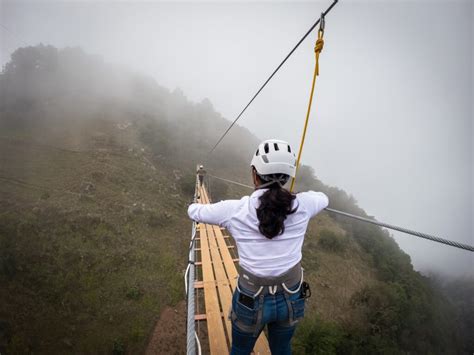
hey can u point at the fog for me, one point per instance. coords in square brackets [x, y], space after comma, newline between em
[392, 118]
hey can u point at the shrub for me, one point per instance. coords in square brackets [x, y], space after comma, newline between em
[8, 265]
[133, 293]
[315, 336]
[118, 347]
[157, 220]
[137, 333]
[331, 241]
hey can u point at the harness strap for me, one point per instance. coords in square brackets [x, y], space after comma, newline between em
[259, 315]
[299, 286]
[291, 320]
[255, 294]
[256, 285]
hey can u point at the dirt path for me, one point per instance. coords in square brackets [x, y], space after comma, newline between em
[169, 336]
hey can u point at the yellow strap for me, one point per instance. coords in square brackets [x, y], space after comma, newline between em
[317, 49]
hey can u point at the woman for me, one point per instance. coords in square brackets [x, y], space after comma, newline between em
[268, 227]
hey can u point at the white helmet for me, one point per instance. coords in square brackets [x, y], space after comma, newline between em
[274, 156]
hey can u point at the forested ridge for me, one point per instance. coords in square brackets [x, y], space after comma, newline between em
[96, 171]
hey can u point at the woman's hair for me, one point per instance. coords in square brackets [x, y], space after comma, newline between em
[275, 205]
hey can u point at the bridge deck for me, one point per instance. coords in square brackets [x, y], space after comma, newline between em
[219, 278]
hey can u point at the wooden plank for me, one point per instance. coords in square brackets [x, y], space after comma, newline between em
[217, 342]
[228, 260]
[223, 284]
[199, 263]
[203, 316]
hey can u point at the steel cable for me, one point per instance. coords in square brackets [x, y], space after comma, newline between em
[380, 224]
[189, 277]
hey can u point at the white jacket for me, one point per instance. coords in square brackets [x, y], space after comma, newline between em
[258, 254]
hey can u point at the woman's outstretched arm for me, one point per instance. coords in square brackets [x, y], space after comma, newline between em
[215, 213]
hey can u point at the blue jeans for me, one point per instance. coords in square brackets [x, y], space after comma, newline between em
[247, 323]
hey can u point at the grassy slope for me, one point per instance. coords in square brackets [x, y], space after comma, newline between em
[86, 270]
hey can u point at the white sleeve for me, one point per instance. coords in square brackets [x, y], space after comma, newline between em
[314, 202]
[215, 213]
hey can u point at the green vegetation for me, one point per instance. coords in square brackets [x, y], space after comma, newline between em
[332, 242]
[316, 336]
[96, 172]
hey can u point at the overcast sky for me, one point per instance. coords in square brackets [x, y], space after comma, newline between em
[392, 122]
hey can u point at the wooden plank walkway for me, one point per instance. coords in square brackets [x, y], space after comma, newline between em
[219, 279]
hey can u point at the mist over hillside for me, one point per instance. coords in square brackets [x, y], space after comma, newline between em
[97, 169]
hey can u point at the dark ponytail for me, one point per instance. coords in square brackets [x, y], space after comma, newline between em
[275, 205]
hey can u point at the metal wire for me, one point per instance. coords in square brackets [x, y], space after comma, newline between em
[189, 285]
[271, 76]
[189, 276]
[380, 224]
[233, 182]
[20, 39]
[198, 343]
[405, 230]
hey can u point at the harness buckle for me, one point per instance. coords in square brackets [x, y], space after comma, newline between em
[305, 290]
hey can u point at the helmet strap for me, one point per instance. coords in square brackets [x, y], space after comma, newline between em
[268, 184]
[280, 181]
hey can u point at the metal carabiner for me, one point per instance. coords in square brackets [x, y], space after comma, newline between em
[322, 22]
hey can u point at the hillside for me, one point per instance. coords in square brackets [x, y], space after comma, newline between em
[97, 170]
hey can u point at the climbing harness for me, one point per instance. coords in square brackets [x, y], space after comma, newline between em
[252, 289]
[257, 284]
[318, 47]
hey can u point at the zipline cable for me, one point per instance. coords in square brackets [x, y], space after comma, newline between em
[380, 224]
[271, 76]
[6, 29]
